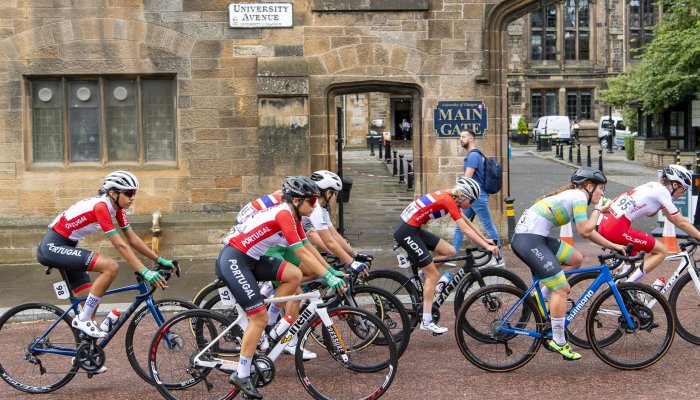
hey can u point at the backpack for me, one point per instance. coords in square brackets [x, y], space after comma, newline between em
[493, 174]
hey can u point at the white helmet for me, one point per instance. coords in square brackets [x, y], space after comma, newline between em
[120, 180]
[327, 180]
[468, 187]
[678, 173]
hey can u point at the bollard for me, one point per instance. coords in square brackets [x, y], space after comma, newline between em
[387, 152]
[560, 147]
[510, 214]
[578, 154]
[381, 144]
[409, 173]
[588, 156]
[600, 160]
[697, 162]
[678, 157]
[571, 153]
[395, 170]
[371, 146]
[401, 168]
[539, 144]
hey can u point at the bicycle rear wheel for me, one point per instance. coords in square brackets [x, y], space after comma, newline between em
[206, 292]
[400, 286]
[685, 304]
[477, 334]
[36, 371]
[491, 276]
[638, 347]
[371, 353]
[171, 363]
[141, 329]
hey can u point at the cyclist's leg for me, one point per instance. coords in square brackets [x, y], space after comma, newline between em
[620, 231]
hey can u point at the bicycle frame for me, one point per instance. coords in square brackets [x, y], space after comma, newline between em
[685, 262]
[604, 276]
[440, 298]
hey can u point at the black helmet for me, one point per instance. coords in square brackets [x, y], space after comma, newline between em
[588, 174]
[300, 187]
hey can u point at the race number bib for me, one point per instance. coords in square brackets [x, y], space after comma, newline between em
[623, 204]
[403, 260]
[61, 290]
[226, 296]
[409, 211]
[527, 222]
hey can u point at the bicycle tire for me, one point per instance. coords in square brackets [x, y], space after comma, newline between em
[172, 369]
[213, 303]
[576, 330]
[630, 351]
[205, 293]
[22, 325]
[483, 311]
[371, 369]
[684, 300]
[402, 287]
[138, 342]
[491, 275]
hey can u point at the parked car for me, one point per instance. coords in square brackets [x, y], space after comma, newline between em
[556, 126]
[620, 131]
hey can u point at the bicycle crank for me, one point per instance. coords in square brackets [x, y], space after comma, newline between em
[90, 357]
[263, 371]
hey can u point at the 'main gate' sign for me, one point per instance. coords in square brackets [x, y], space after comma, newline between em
[451, 117]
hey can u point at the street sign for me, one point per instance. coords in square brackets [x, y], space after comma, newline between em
[451, 117]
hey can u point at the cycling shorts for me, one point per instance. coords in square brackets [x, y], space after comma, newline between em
[417, 243]
[620, 231]
[544, 255]
[242, 273]
[57, 251]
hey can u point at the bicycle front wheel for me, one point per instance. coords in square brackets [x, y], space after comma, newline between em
[358, 348]
[207, 291]
[638, 346]
[26, 363]
[685, 304]
[400, 286]
[179, 342]
[491, 276]
[141, 329]
[477, 329]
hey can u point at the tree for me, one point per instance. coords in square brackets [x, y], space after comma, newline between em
[522, 127]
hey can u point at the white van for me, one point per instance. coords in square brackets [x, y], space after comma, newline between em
[620, 131]
[556, 126]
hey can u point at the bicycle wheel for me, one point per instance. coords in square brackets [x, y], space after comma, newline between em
[214, 304]
[141, 329]
[388, 309]
[205, 293]
[638, 347]
[491, 276]
[171, 363]
[685, 304]
[576, 330]
[368, 370]
[36, 371]
[400, 286]
[477, 334]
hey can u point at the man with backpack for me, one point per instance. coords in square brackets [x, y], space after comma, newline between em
[487, 174]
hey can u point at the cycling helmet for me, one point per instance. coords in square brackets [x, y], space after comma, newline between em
[678, 173]
[588, 174]
[300, 187]
[327, 180]
[120, 180]
[468, 187]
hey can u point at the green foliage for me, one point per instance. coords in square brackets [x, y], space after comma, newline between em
[522, 127]
[629, 147]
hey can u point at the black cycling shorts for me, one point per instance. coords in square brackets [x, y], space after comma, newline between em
[242, 273]
[417, 243]
[57, 251]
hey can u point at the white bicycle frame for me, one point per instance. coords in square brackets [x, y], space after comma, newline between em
[685, 262]
[311, 311]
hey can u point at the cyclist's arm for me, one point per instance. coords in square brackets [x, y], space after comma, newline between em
[311, 258]
[334, 246]
[472, 234]
[316, 240]
[682, 223]
[137, 243]
[587, 232]
[341, 240]
[471, 226]
[128, 255]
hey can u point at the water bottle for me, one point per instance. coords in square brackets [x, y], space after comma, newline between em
[110, 321]
[444, 280]
[267, 289]
[659, 283]
[421, 275]
[280, 327]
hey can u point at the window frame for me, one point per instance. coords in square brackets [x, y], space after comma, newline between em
[544, 94]
[647, 17]
[578, 114]
[544, 33]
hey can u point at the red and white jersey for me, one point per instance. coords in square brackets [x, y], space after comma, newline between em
[88, 216]
[431, 206]
[644, 200]
[257, 205]
[274, 226]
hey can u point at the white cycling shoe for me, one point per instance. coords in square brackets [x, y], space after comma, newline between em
[308, 355]
[433, 327]
[88, 327]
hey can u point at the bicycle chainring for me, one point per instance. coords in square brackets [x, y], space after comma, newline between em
[90, 357]
[263, 371]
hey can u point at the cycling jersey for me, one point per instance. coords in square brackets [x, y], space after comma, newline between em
[319, 219]
[88, 216]
[257, 205]
[270, 227]
[556, 210]
[431, 206]
[644, 200]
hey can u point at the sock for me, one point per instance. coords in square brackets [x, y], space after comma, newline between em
[558, 331]
[636, 275]
[546, 293]
[272, 314]
[89, 308]
[244, 367]
[427, 318]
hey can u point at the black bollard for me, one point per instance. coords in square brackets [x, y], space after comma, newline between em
[560, 148]
[387, 152]
[401, 168]
[571, 153]
[395, 171]
[371, 145]
[578, 154]
[539, 144]
[510, 213]
[678, 157]
[588, 156]
[380, 149]
[600, 160]
[409, 173]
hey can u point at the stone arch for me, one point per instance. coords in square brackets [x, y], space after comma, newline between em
[379, 59]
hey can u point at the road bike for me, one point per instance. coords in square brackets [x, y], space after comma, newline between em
[42, 352]
[350, 364]
[500, 328]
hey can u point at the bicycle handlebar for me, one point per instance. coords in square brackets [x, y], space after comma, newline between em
[619, 257]
[690, 244]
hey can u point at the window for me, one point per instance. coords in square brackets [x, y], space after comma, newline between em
[578, 104]
[543, 102]
[543, 41]
[643, 15]
[576, 30]
[103, 120]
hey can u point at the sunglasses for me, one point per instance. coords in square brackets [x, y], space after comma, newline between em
[128, 193]
[312, 201]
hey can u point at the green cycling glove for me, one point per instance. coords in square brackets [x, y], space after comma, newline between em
[333, 281]
[335, 272]
[149, 275]
[165, 263]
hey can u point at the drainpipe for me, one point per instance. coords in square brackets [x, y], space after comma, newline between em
[156, 230]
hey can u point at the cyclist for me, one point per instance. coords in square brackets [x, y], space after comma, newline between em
[417, 242]
[242, 263]
[258, 204]
[647, 200]
[58, 248]
[546, 255]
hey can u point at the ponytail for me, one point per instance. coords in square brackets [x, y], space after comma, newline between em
[564, 188]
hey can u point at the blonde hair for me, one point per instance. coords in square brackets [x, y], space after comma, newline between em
[568, 186]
